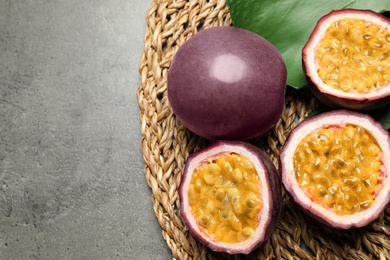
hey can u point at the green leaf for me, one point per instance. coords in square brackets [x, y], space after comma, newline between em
[381, 115]
[287, 24]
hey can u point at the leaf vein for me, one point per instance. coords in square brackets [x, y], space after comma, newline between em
[347, 4]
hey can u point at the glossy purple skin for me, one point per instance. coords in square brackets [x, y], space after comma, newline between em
[271, 175]
[333, 101]
[227, 83]
[348, 103]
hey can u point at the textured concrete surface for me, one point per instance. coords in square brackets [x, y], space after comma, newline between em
[72, 183]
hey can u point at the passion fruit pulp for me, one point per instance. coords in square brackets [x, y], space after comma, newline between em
[230, 196]
[347, 59]
[336, 165]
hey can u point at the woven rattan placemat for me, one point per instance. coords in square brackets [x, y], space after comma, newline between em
[166, 145]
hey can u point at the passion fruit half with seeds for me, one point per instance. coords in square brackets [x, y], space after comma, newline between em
[230, 196]
[347, 59]
[336, 167]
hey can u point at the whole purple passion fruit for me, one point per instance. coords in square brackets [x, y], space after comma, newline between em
[227, 83]
[336, 167]
[230, 196]
[347, 59]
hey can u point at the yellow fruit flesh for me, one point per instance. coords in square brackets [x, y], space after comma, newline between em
[354, 56]
[224, 197]
[339, 168]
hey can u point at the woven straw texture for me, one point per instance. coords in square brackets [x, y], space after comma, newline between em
[166, 145]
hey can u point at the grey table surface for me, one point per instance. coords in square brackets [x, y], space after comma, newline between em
[72, 184]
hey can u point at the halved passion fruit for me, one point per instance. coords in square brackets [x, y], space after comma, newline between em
[347, 59]
[336, 167]
[230, 196]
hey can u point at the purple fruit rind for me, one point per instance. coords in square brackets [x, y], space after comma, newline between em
[361, 103]
[348, 103]
[274, 192]
[271, 175]
[227, 83]
[287, 169]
